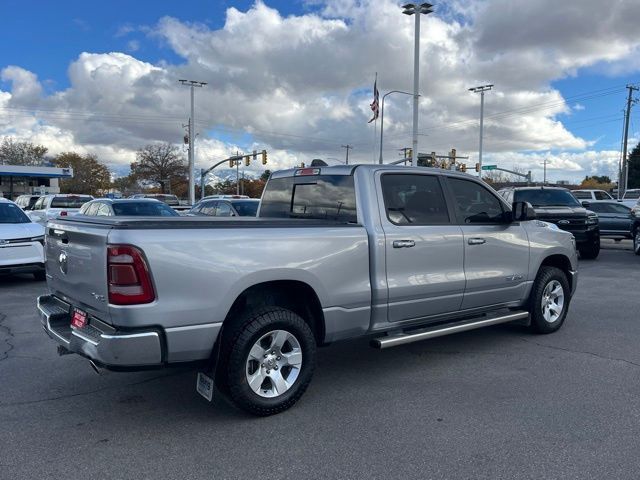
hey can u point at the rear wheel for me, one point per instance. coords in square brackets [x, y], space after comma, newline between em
[268, 361]
[549, 301]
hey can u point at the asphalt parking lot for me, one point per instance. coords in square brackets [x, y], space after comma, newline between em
[494, 403]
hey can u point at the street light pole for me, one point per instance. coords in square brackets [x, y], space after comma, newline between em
[382, 118]
[417, 10]
[481, 90]
[192, 121]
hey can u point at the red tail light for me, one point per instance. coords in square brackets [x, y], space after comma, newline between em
[128, 276]
[63, 213]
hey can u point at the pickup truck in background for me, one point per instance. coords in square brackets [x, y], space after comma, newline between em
[394, 254]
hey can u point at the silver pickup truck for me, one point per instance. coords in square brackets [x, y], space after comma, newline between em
[396, 254]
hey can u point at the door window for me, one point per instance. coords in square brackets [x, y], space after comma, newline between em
[602, 195]
[476, 204]
[208, 208]
[39, 204]
[223, 210]
[92, 209]
[583, 195]
[103, 210]
[411, 199]
[619, 208]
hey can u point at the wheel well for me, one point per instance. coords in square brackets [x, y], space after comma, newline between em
[561, 262]
[294, 295]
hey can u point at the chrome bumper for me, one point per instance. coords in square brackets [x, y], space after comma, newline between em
[98, 341]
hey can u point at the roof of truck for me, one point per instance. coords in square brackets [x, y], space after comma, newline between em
[349, 170]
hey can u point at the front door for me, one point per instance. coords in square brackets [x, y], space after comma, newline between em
[496, 250]
[424, 249]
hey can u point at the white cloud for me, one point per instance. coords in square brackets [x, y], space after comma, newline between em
[300, 85]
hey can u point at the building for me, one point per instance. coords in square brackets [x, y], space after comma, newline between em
[19, 180]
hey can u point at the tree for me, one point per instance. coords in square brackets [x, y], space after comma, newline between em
[126, 185]
[21, 153]
[89, 175]
[634, 167]
[251, 188]
[160, 163]
[265, 175]
[597, 183]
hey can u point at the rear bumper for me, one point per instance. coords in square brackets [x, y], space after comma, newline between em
[105, 345]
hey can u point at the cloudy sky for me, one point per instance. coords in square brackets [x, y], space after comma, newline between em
[295, 78]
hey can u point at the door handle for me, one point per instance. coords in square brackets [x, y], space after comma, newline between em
[403, 243]
[476, 241]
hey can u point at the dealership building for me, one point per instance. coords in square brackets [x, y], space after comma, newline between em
[19, 180]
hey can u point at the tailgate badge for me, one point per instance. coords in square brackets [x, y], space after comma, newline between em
[62, 259]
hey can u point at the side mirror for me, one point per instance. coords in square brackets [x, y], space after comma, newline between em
[586, 204]
[523, 211]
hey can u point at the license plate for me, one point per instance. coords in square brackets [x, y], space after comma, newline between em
[78, 319]
[204, 386]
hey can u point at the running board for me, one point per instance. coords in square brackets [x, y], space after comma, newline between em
[439, 331]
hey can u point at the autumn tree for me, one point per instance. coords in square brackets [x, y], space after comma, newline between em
[634, 167]
[89, 175]
[13, 152]
[159, 163]
[126, 185]
[597, 183]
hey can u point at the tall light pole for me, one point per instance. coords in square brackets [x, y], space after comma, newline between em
[417, 10]
[192, 137]
[481, 89]
[382, 118]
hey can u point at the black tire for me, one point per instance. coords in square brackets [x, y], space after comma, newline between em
[231, 374]
[591, 251]
[40, 276]
[546, 276]
[636, 241]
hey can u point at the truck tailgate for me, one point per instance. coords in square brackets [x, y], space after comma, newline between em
[76, 264]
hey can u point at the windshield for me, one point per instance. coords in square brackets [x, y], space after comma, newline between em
[75, 201]
[246, 209]
[319, 197]
[546, 198]
[10, 213]
[143, 209]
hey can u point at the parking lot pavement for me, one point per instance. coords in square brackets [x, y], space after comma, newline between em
[494, 403]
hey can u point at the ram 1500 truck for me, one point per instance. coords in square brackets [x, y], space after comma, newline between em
[396, 254]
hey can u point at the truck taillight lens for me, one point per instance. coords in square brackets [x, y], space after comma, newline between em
[128, 276]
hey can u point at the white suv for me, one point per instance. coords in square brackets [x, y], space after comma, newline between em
[593, 195]
[21, 242]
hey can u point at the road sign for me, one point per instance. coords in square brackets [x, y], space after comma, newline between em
[489, 167]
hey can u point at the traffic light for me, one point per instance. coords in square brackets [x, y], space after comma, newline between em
[463, 167]
[302, 165]
[230, 163]
[477, 167]
[247, 160]
[409, 153]
[255, 155]
[264, 157]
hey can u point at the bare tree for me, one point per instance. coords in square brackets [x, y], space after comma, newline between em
[159, 163]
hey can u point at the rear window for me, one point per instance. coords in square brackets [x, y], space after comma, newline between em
[246, 209]
[143, 209]
[69, 202]
[10, 213]
[632, 194]
[319, 197]
[582, 195]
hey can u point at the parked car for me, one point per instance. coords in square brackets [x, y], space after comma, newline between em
[50, 206]
[635, 228]
[558, 206]
[129, 207]
[593, 195]
[26, 202]
[21, 242]
[218, 197]
[397, 254]
[631, 197]
[170, 200]
[614, 218]
[241, 207]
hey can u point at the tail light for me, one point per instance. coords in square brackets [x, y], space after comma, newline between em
[63, 213]
[128, 276]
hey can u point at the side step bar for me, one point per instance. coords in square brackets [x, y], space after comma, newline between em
[423, 334]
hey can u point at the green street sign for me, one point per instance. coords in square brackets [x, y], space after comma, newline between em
[489, 167]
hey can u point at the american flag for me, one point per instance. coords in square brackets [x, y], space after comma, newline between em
[375, 105]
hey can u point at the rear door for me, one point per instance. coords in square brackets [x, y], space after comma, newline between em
[424, 249]
[496, 251]
[76, 263]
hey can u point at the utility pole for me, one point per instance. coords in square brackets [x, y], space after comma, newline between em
[623, 177]
[544, 178]
[192, 136]
[481, 91]
[348, 147]
[237, 174]
[417, 10]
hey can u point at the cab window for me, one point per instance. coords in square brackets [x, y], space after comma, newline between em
[411, 199]
[474, 203]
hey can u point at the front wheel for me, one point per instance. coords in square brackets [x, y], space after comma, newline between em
[270, 359]
[590, 252]
[549, 301]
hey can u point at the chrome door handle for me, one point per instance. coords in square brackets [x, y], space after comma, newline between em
[476, 241]
[403, 243]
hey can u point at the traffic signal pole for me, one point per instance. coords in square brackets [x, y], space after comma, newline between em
[233, 160]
